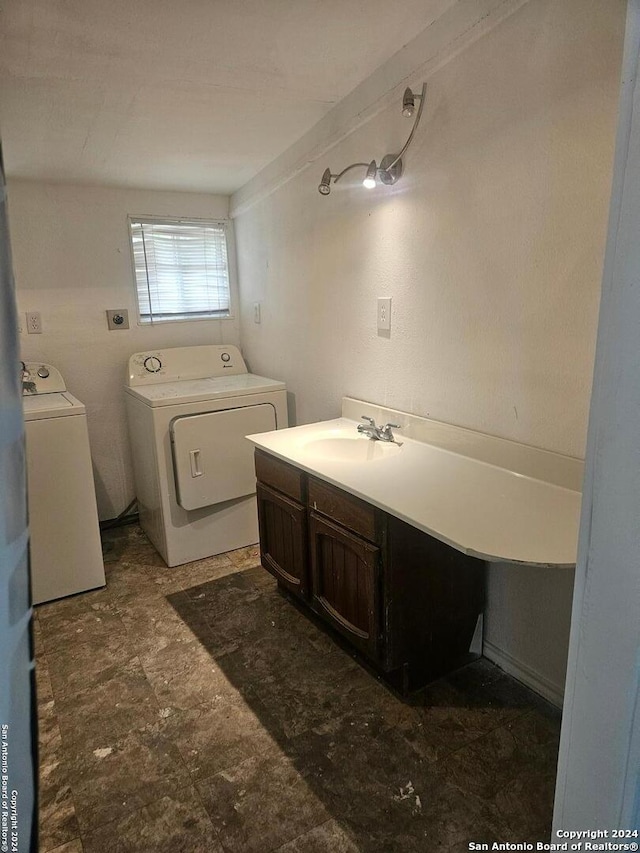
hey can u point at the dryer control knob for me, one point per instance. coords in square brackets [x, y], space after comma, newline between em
[225, 357]
[152, 364]
[43, 372]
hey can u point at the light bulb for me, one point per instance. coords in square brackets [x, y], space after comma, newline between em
[370, 178]
[408, 103]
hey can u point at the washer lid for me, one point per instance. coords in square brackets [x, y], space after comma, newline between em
[198, 390]
[56, 405]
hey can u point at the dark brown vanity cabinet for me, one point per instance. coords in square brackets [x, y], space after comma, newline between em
[345, 572]
[406, 601]
[345, 552]
[282, 520]
[283, 539]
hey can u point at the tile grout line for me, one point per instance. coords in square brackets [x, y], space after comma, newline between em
[63, 761]
[64, 844]
[225, 848]
[46, 652]
[209, 818]
[480, 737]
[83, 832]
[194, 782]
[302, 834]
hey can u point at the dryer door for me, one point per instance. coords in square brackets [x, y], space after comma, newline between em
[212, 460]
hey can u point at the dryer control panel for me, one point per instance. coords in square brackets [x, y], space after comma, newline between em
[170, 365]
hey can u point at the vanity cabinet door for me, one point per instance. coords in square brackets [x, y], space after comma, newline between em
[345, 573]
[283, 539]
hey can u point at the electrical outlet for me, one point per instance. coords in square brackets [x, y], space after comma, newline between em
[117, 318]
[256, 312]
[34, 323]
[384, 313]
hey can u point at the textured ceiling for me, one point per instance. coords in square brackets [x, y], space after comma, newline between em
[192, 95]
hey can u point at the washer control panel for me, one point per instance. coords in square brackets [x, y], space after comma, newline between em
[40, 378]
[170, 365]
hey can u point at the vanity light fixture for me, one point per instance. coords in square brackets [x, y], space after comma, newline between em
[390, 168]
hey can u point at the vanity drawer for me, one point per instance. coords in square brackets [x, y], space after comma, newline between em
[279, 475]
[340, 506]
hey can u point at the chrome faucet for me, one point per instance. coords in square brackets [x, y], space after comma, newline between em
[382, 433]
[369, 428]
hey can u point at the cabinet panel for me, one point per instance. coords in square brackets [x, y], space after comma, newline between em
[281, 476]
[344, 508]
[283, 539]
[432, 622]
[345, 572]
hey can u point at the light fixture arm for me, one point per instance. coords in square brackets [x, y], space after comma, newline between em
[337, 177]
[403, 151]
[390, 167]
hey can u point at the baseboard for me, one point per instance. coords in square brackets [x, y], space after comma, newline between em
[552, 692]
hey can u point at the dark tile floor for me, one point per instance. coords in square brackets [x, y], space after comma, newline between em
[196, 710]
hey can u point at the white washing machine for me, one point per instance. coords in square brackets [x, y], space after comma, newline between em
[189, 410]
[65, 549]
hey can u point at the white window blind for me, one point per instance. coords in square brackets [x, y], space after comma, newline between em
[182, 269]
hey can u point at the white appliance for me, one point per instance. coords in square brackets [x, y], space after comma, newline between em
[65, 549]
[189, 410]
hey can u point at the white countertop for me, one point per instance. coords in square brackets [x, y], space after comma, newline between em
[479, 508]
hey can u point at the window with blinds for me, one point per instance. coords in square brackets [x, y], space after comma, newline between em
[181, 269]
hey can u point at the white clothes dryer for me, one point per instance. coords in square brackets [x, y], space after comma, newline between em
[189, 410]
[64, 548]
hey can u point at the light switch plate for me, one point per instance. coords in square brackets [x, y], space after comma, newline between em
[384, 313]
[117, 318]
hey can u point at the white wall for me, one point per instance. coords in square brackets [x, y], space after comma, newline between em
[491, 247]
[72, 261]
[527, 624]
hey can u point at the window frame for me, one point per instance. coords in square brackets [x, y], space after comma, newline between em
[227, 225]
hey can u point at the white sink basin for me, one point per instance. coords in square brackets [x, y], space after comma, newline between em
[347, 449]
